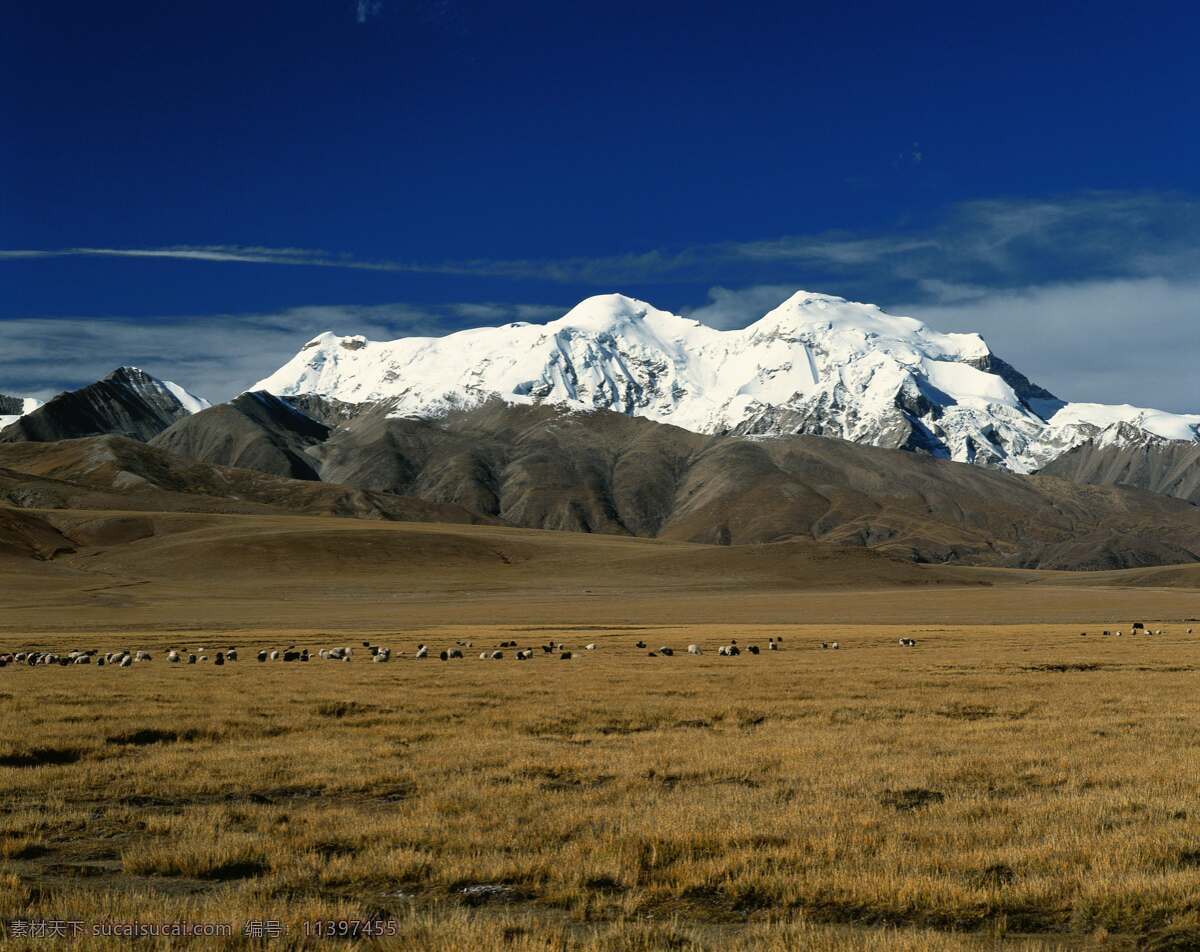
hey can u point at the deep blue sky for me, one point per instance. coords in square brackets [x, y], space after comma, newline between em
[472, 146]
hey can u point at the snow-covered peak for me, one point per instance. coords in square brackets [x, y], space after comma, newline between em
[153, 387]
[605, 313]
[330, 339]
[808, 313]
[816, 364]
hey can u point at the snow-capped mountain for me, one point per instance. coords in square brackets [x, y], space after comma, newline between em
[816, 364]
[166, 393]
[128, 402]
[13, 408]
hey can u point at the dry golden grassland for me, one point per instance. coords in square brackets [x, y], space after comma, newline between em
[1012, 786]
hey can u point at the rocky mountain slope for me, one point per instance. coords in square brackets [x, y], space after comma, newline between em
[128, 402]
[817, 364]
[547, 467]
[1161, 466]
[113, 472]
[255, 431]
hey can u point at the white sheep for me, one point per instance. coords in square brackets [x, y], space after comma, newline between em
[695, 649]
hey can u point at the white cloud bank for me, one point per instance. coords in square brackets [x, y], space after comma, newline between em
[214, 356]
[1133, 340]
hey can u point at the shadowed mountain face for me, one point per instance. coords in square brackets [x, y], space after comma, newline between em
[128, 402]
[542, 467]
[256, 431]
[112, 472]
[1170, 468]
[11, 406]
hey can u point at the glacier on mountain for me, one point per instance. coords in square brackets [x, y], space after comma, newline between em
[817, 364]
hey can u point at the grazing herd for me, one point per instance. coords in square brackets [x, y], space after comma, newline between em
[1137, 628]
[125, 658]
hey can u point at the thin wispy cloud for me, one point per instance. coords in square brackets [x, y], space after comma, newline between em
[212, 253]
[491, 312]
[992, 243]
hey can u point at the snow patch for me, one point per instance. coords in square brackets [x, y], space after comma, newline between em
[190, 402]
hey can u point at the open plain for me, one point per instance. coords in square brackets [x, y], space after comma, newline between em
[1007, 782]
[599, 477]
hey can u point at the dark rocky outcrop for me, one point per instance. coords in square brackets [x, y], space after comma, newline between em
[128, 402]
